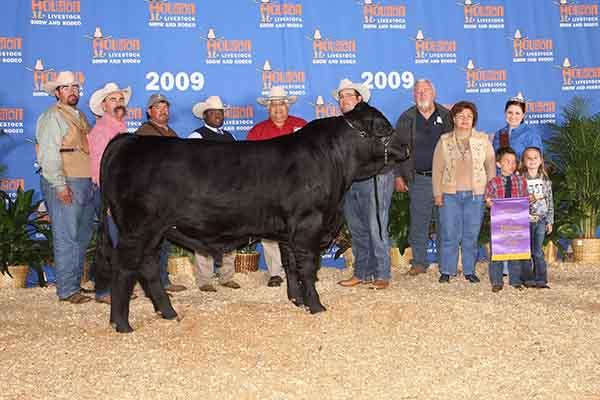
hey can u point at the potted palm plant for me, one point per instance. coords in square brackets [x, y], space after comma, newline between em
[25, 238]
[574, 149]
[399, 227]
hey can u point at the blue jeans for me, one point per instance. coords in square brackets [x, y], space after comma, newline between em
[72, 228]
[422, 210]
[112, 231]
[163, 263]
[460, 222]
[538, 234]
[371, 251]
[515, 269]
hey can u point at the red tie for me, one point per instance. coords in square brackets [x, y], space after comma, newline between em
[504, 142]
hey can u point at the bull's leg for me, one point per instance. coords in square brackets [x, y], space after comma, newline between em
[295, 292]
[122, 285]
[307, 264]
[151, 277]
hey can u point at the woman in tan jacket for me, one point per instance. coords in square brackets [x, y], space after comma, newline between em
[463, 163]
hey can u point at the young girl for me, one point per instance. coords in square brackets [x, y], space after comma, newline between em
[541, 213]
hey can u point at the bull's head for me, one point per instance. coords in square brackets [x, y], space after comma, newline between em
[379, 146]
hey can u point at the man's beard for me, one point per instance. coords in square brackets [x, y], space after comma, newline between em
[72, 100]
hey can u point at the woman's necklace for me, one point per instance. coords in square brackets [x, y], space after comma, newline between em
[462, 145]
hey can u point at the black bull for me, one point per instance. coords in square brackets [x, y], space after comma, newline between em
[214, 197]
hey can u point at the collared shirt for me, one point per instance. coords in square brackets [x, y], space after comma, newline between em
[496, 187]
[198, 135]
[268, 130]
[105, 129]
[50, 130]
[428, 132]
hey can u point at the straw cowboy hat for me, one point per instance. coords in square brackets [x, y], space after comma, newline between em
[211, 103]
[346, 83]
[101, 94]
[276, 93]
[64, 78]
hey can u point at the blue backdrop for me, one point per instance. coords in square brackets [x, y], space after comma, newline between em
[481, 50]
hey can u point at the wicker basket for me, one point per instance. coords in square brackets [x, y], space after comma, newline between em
[18, 272]
[178, 265]
[586, 250]
[246, 262]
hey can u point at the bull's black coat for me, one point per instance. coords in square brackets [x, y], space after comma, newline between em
[214, 197]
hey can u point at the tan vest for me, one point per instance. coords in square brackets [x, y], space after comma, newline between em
[479, 143]
[75, 151]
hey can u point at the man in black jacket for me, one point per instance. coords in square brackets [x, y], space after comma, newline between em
[420, 128]
[212, 112]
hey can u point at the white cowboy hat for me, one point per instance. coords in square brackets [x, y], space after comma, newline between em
[276, 93]
[211, 103]
[101, 94]
[346, 83]
[64, 78]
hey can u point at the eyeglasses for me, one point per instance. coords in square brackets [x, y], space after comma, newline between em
[464, 116]
[347, 96]
[73, 88]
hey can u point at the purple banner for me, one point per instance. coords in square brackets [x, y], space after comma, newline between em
[510, 229]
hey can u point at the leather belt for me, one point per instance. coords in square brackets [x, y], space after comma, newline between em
[424, 173]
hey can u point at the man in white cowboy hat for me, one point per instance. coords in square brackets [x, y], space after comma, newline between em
[109, 103]
[63, 154]
[158, 112]
[370, 244]
[212, 112]
[279, 123]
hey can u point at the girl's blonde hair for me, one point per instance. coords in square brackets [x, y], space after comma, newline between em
[541, 168]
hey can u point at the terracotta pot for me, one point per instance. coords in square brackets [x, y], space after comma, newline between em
[18, 272]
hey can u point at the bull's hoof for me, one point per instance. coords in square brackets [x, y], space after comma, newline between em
[170, 315]
[316, 308]
[297, 303]
[123, 328]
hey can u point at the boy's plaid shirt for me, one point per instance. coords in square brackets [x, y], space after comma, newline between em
[495, 187]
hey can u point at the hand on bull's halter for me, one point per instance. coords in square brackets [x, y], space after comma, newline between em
[65, 196]
[438, 200]
[400, 184]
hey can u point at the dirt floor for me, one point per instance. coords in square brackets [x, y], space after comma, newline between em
[419, 339]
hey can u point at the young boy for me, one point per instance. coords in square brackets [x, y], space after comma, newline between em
[506, 185]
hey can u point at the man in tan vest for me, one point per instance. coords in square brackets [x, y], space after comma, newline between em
[157, 111]
[63, 154]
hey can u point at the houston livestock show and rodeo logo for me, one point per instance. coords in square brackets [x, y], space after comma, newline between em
[11, 50]
[171, 14]
[325, 109]
[11, 120]
[56, 12]
[41, 74]
[383, 16]
[483, 16]
[578, 14]
[292, 80]
[539, 112]
[481, 80]
[434, 51]
[332, 51]
[227, 51]
[279, 15]
[107, 49]
[238, 118]
[532, 50]
[576, 78]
